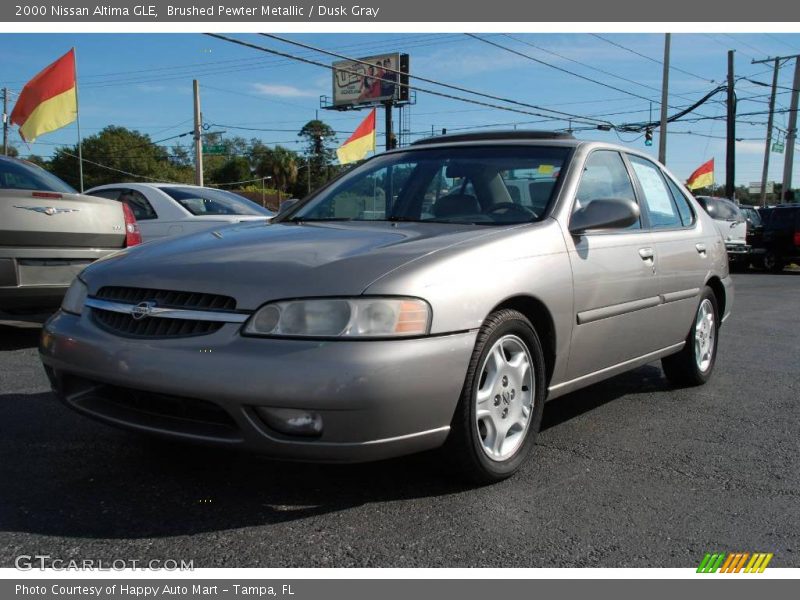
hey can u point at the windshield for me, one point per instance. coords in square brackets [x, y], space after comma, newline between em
[752, 216]
[477, 185]
[203, 202]
[20, 175]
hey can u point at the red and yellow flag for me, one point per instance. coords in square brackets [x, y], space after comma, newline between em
[702, 177]
[48, 101]
[361, 142]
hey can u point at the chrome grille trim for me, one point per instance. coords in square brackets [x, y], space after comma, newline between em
[170, 313]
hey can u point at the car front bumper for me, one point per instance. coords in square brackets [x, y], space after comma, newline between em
[377, 399]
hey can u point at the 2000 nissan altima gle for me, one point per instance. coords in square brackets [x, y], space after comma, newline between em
[432, 296]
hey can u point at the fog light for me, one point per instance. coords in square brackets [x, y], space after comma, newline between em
[290, 421]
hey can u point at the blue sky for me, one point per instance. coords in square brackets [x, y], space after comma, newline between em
[143, 81]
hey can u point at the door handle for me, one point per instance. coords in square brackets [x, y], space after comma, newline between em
[701, 249]
[646, 253]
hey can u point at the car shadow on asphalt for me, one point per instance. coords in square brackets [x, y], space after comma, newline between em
[64, 475]
[13, 337]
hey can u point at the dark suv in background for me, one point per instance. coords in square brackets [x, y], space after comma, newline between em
[776, 242]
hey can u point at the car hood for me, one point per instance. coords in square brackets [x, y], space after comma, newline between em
[255, 263]
[232, 218]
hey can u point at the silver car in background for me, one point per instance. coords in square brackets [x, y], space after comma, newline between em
[49, 233]
[168, 209]
[413, 303]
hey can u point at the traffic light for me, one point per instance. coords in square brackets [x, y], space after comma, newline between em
[318, 143]
[648, 137]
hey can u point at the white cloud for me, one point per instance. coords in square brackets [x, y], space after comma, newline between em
[283, 91]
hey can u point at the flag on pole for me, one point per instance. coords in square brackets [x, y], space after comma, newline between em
[361, 142]
[48, 101]
[702, 177]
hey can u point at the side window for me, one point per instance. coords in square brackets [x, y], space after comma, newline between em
[604, 176]
[684, 208]
[140, 206]
[660, 208]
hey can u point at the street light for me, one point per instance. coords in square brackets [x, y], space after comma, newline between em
[263, 190]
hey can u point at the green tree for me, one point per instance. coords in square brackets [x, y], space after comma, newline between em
[319, 140]
[113, 153]
[281, 165]
[234, 169]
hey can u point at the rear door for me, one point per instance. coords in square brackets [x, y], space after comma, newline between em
[616, 292]
[682, 247]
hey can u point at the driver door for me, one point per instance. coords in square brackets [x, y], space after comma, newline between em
[615, 286]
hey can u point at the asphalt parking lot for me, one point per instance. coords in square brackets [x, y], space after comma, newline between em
[627, 473]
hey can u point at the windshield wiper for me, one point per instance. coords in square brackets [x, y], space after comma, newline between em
[319, 220]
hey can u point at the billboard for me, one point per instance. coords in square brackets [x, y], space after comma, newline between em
[755, 187]
[358, 84]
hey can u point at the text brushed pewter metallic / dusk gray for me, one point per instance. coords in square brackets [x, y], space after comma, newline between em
[434, 295]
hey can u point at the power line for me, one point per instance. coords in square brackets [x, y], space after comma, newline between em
[588, 66]
[419, 89]
[522, 54]
[424, 79]
[651, 59]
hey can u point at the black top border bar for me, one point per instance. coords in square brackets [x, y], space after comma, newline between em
[443, 11]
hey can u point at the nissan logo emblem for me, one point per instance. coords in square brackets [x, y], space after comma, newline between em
[142, 310]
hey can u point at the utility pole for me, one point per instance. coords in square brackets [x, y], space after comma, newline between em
[730, 154]
[388, 123]
[768, 146]
[198, 139]
[662, 136]
[5, 121]
[791, 135]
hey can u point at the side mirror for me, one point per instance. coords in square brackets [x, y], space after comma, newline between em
[286, 205]
[604, 213]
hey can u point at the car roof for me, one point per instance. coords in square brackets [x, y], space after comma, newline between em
[495, 135]
[516, 138]
[153, 184]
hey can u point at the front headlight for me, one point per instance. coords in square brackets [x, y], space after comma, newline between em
[75, 297]
[342, 317]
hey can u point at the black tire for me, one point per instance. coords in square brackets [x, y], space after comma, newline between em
[773, 263]
[682, 369]
[464, 445]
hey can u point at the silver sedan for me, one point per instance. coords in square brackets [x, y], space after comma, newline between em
[434, 296]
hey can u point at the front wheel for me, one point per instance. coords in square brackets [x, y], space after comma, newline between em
[500, 409]
[694, 364]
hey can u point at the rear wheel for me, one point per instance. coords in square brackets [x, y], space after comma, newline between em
[500, 409]
[694, 364]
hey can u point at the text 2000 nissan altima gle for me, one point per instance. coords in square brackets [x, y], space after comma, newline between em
[433, 296]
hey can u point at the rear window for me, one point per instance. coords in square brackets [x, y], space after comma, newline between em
[752, 216]
[21, 175]
[721, 209]
[206, 202]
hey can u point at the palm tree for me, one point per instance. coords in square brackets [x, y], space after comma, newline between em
[281, 164]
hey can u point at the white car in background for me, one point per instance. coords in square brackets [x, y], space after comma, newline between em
[732, 225]
[165, 210]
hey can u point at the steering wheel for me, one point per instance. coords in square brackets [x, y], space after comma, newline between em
[506, 208]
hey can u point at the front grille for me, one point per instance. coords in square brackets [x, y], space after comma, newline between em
[166, 298]
[159, 327]
[152, 327]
